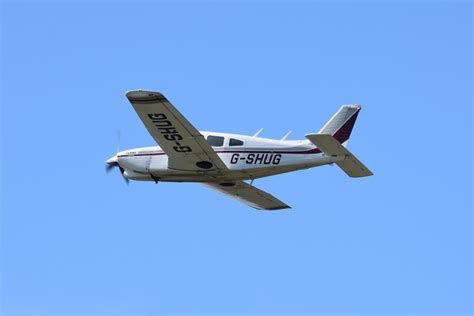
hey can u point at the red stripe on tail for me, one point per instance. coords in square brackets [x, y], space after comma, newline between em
[344, 132]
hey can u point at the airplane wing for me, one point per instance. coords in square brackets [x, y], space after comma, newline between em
[249, 195]
[185, 147]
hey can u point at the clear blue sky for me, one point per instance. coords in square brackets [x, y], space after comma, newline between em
[76, 241]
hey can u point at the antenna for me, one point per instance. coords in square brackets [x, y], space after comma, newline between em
[286, 136]
[258, 132]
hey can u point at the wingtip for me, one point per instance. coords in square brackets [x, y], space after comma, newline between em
[278, 208]
[144, 96]
[141, 93]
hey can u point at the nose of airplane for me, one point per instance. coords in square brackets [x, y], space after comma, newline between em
[112, 161]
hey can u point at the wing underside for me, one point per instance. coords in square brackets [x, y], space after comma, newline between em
[184, 145]
[249, 195]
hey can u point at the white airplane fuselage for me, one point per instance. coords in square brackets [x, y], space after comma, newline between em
[246, 157]
[223, 161]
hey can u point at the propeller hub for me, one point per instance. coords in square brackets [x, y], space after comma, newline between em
[112, 161]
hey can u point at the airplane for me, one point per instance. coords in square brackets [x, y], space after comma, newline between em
[225, 161]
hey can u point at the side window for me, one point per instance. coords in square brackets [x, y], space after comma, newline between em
[235, 142]
[215, 141]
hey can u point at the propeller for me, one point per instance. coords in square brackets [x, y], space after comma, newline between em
[118, 142]
[109, 167]
[113, 162]
[127, 181]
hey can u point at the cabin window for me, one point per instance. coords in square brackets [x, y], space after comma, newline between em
[235, 142]
[215, 141]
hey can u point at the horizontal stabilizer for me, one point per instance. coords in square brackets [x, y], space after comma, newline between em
[331, 147]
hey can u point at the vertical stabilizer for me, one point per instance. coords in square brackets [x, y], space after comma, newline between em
[341, 123]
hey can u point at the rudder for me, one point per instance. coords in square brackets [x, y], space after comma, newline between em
[341, 123]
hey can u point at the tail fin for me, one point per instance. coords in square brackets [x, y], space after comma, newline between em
[341, 123]
[332, 138]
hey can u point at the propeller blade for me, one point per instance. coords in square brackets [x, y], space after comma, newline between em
[119, 135]
[112, 163]
[109, 167]
[127, 181]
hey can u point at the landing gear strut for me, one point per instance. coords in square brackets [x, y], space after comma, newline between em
[156, 179]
